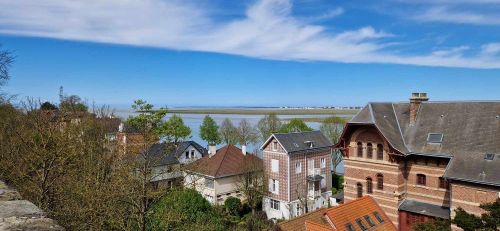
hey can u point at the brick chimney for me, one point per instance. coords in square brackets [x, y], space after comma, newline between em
[416, 99]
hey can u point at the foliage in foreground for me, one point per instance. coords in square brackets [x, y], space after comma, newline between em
[435, 225]
[490, 220]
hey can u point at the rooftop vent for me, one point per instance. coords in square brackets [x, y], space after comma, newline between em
[489, 156]
[309, 144]
[435, 138]
[296, 145]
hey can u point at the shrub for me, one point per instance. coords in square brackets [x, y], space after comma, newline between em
[233, 206]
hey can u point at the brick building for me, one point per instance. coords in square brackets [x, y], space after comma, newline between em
[298, 167]
[421, 160]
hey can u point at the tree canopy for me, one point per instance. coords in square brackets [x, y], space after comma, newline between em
[295, 125]
[490, 220]
[175, 130]
[6, 60]
[228, 132]
[247, 134]
[267, 125]
[209, 131]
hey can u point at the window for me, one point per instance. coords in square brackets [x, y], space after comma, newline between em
[369, 151]
[362, 225]
[192, 153]
[369, 220]
[274, 186]
[298, 167]
[443, 183]
[360, 149]
[421, 179]
[275, 165]
[187, 154]
[380, 152]
[275, 146]
[369, 185]
[209, 183]
[349, 227]
[434, 138]
[323, 163]
[489, 156]
[274, 204]
[297, 209]
[359, 188]
[380, 181]
[378, 217]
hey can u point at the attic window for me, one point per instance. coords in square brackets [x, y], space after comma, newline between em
[309, 144]
[435, 138]
[489, 156]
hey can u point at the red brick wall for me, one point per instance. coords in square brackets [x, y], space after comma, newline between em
[470, 196]
[298, 181]
[430, 193]
[282, 174]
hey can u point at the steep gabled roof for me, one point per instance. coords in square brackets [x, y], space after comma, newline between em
[297, 141]
[297, 224]
[166, 154]
[227, 161]
[470, 130]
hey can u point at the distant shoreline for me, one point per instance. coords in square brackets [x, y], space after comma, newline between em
[264, 111]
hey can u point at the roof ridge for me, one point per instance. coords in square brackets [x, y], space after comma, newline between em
[224, 157]
[399, 127]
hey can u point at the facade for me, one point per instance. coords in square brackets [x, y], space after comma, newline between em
[216, 175]
[421, 160]
[168, 161]
[360, 214]
[298, 168]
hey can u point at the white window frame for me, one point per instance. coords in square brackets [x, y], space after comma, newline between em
[298, 167]
[192, 154]
[274, 186]
[274, 145]
[274, 204]
[209, 185]
[275, 165]
[323, 162]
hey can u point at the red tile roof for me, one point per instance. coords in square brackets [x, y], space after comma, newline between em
[227, 161]
[337, 218]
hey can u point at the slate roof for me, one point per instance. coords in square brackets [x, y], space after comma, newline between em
[340, 216]
[470, 130]
[167, 154]
[227, 161]
[296, 141]
[425, 209]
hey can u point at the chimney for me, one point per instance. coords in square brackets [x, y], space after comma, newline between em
[211, 150]
[120, 127]
[416, 99]
[244, 149]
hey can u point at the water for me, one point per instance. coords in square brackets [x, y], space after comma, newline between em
[194, 122]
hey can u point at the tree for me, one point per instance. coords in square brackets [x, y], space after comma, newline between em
[433, 225]
[73, 103]
[209, 131]
[232, 205]
[252, 182]
[175, 129]
[6, 60]
[228, 132]
[48, 106]
[490, 220]
[247, 134]
[267, 125]
[295, 125]
[185, 210]
[332, 128]
[150, 125]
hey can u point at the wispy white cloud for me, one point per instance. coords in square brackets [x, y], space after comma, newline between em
[268, 30]
[445, 14]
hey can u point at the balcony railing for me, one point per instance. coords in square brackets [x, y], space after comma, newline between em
[313, 172]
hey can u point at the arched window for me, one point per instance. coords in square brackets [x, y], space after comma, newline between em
[360, 149]
[380, 152]
[380, 181]
[369, 185]
[369, 151]
[421, 179]
[359, 187]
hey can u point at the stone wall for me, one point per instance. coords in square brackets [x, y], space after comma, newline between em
[18, 214]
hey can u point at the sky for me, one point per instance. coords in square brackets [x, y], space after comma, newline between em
[179, 53]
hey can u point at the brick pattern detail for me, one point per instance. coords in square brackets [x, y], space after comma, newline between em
[470, 196]
[281, 175]
[298, 181]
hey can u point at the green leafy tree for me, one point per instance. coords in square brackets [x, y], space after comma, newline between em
[175, 130]
[185, 210]
[267, 125]
[48, 106]
[228, 132]
[490, 220]
[150, 124]
[247, 134]
[295, 125]
[332, 127]
[233, 205]
[73, 103]
[434, 225]
[209, 131]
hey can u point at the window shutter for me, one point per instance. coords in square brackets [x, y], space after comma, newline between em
[277, 186]
[270, 185]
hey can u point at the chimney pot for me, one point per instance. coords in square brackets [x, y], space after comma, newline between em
[415, 100]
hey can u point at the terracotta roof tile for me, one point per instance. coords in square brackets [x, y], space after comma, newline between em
[311, 226]
[227, 161]
[297, 224]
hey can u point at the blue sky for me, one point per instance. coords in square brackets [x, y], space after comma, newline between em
[253, 53]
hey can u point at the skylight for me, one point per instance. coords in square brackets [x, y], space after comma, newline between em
[435, 138]
[489, 156]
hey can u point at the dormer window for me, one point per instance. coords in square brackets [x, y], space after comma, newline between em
[309, 144]
[434, 138]
[489, 156]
